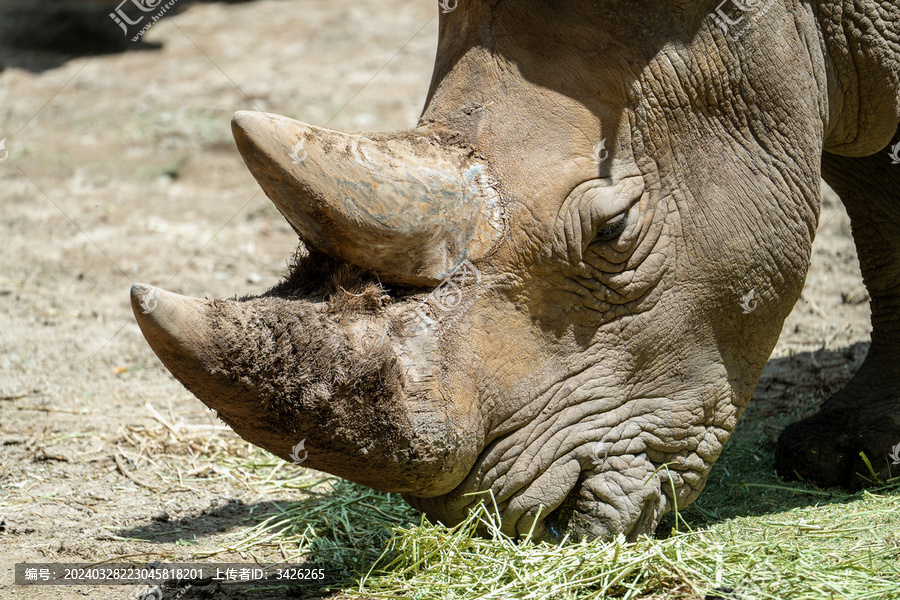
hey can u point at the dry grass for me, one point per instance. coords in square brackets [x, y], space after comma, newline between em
[750, 536]
[836, 546]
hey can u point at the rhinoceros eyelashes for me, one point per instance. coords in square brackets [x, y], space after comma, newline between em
[612, 228]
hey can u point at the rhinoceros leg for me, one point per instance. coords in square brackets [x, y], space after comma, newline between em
[865, 415]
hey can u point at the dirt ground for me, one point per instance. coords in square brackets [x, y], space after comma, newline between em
[121, 169]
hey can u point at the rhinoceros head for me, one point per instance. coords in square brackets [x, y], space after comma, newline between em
[561, 286]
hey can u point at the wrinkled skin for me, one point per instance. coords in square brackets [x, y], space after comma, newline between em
[591, 368]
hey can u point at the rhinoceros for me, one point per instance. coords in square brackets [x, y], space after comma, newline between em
[561, 287]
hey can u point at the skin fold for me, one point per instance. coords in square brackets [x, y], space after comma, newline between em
[538, 292]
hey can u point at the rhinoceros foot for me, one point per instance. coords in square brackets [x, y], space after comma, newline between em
[826, 448]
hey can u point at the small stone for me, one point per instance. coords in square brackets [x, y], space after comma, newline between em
[857, 296]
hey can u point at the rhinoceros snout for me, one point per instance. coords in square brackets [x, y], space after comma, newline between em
[286, 370]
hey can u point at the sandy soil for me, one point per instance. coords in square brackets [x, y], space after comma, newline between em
[121, 169]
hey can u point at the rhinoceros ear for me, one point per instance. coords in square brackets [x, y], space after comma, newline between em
[405, 206]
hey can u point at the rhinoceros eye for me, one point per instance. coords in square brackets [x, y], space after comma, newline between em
[613, 228]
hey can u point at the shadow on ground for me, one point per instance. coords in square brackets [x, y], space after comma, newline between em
[229, 516]
[343, 537]
[38, 36]
[743, 481]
